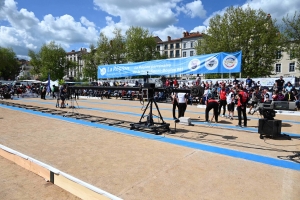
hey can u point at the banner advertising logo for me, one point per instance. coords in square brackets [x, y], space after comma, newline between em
[194, 64]
[230, 62]
[103, 71]
[211, 63]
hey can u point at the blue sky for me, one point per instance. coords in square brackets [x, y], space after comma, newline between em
[28, 24]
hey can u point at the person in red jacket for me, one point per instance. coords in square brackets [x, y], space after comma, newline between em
[223, 101]
[211, 104]
[242, 98]
[167, 83]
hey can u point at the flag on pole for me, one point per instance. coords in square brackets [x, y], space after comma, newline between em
[48, 84]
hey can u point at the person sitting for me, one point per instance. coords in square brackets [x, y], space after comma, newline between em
[289, 87]
[275, 96]
[280, 96]
[297, 99]
[289, 96]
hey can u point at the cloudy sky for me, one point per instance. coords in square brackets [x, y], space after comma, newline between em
[28, 24]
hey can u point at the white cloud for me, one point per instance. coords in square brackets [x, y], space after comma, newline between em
[172, 31]
[145, 13]
[86, 22]
[277, 8]
[200, 29]
[25, 31]
[158, 16]
[195, 9]
[111, 26]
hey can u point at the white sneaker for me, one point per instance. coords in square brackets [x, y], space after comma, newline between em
[222, 115]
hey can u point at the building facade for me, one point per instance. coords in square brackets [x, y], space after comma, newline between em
[25, 70]
[76, 56]
[286, 66]
[180, 47]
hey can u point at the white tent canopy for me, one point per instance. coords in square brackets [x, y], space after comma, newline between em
[51, 83]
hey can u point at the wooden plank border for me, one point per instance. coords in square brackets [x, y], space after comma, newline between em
[69, 183]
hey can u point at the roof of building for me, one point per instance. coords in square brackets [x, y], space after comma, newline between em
[185, 35]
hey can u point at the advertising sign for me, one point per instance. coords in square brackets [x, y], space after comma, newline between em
[207, 64]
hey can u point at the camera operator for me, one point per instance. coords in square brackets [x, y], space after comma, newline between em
[211, 103]
[242, 99]
[63, 91]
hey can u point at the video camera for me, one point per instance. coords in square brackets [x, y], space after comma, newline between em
[266, 110]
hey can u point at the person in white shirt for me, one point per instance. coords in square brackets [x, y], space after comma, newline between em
[182, 104]
[230, 103]
[267, 95]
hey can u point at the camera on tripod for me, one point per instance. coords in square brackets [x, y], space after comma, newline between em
[266, 110]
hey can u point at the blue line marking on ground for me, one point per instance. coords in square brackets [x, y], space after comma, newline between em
[203, 147]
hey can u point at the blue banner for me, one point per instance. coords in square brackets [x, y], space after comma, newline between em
[201, 64]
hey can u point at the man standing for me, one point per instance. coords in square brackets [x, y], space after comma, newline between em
[242, 98]
[280, 83]
[235, 81]
[249, 82]
[175, 104]
[211, 104]
[223, 102]
[175, 83]
[230, 104]
[182, 104]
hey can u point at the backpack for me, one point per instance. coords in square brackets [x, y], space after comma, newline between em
[245, 97]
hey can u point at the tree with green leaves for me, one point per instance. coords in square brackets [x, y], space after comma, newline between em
[252, 31]
[51, 59]
[111, 51]
[9, 65]
[91, 61]
[292, 36]
[140, 45]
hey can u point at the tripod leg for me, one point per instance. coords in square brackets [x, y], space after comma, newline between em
[160, 116]
[144, 111]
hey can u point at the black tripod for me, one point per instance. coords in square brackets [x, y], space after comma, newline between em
[73, 110]
[157, 127]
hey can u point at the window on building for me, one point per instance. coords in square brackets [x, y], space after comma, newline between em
[158, 48]
[184, 54]
[292, 67]
[177, 46]
[166, 46]
[171, 54]
[177, 54]
[278, 54]
[184, 45]
[166, 53]
[191, 53]
[171, 46]
[278, 68]
[192, 44]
